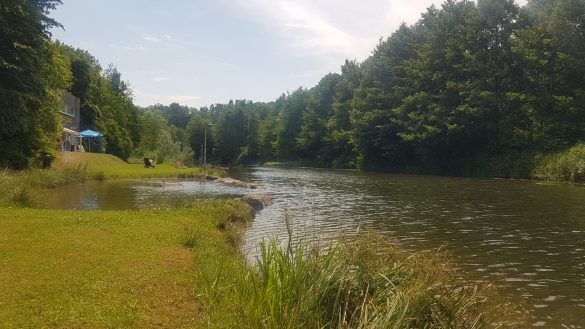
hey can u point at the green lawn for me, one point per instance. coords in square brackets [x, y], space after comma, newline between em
[106, 166]
[111, 269]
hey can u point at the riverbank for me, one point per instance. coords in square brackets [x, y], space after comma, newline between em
[567, 166]
[181, 268]
[97, 166]
[24, 188]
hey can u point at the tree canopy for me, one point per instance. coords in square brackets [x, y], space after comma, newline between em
[471, 88]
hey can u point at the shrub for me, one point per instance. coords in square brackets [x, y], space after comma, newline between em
[566, 166]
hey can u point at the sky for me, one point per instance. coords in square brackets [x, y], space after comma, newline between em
[199, 52]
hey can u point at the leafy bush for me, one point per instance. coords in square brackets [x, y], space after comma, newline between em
[567, 166]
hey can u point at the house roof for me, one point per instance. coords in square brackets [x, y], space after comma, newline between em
[69, 131]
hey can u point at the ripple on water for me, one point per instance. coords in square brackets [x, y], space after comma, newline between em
[526, 236]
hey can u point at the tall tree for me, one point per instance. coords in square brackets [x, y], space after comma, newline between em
[33, 76]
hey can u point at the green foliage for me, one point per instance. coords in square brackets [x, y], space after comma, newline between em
[471, 88]
[190, 239]
[106, 103]
[566, 166]
[33, 75]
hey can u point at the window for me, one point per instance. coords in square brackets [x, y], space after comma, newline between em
[68, 109]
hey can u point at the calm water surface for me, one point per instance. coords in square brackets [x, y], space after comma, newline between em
[526, 236]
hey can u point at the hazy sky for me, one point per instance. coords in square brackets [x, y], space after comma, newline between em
[203, 52]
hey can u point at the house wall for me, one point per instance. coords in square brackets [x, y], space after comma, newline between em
[71, 120]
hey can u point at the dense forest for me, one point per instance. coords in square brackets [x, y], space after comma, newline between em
[473, 88]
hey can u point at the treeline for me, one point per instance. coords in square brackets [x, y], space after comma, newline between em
[32, 75]
[472, 88]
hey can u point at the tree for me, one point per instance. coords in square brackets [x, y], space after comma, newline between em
[33, 77]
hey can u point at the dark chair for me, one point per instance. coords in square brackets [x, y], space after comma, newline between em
[148, 163]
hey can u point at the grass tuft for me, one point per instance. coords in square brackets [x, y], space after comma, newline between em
[190, 239]
[364, 283]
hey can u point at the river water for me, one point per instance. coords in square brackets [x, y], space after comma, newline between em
[527, 237]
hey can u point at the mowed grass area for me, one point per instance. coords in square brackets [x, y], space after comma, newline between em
[113, 269]
[106, 166]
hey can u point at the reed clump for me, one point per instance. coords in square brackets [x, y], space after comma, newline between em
[23, 188]
[362, 283]
[236, 217]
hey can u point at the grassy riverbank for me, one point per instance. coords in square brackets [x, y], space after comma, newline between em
[93, 269]
[182, 269]
[105, 166]
[566, 166]
[23, 188]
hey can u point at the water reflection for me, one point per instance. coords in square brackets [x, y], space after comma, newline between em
[138, 194]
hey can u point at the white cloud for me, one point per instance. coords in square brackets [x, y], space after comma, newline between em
[150, 38]
[338, 28]
[146, 98]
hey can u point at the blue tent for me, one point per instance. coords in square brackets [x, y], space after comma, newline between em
[90, 134]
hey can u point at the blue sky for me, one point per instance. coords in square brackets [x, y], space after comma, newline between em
[203, 52]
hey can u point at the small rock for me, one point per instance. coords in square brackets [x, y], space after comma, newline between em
[235, 182]
[258, 201]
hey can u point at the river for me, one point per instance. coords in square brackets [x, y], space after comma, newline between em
[528, 237]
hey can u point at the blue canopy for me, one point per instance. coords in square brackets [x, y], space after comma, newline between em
[90, 133]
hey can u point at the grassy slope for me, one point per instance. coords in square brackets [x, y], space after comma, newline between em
[93, 269]
[106, 166]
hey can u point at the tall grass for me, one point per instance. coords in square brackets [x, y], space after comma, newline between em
[23, 188]
[566, 166]
[363, 283]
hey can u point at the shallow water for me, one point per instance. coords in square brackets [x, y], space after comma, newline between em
[527, 236]
[137, 194]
